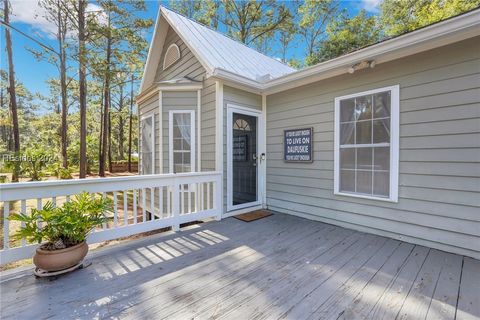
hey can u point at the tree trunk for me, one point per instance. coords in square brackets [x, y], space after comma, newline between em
[106, 109]
[63, 85]
[120, 125]
[82, 4]
[130, 129]
[100, 140]
[109, 142]
[12, 91]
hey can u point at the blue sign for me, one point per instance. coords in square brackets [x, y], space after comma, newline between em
[298, 145]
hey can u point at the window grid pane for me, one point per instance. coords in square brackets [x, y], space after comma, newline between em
[182, 129]
[365, 144]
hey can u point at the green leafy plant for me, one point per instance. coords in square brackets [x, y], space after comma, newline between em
[61, 172]
[63, 226]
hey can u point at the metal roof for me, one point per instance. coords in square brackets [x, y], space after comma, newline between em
[218, 51]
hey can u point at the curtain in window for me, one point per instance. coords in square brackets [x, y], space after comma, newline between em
[182, 121]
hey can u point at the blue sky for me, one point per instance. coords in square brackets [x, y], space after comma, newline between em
[33, 73]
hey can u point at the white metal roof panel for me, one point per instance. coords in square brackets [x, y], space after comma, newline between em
[221, 52]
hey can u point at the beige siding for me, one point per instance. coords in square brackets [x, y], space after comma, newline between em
[208, 125]
[439, 182]
[148, 107]
[243, 99]
[186, 66]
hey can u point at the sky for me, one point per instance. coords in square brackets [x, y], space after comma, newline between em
[27, 17]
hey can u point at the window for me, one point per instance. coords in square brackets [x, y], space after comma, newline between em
[366, 144]
[171, 56]
[182, 141]
[148, 145]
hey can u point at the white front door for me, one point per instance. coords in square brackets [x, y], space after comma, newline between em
[243, 130]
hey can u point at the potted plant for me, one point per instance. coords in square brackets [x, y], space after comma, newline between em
[64, 230]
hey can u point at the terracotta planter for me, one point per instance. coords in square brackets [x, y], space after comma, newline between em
[55, 260]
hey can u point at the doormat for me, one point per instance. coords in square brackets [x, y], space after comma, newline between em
[254, 215]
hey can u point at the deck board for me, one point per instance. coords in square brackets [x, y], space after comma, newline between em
[469, 298]
[278, 267]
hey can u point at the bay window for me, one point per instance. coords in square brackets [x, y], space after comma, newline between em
[366, 144]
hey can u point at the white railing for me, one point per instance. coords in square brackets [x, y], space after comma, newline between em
[140, 204]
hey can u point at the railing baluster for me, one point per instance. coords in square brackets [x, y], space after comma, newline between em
[160, 202]
[182, 199]
[67, 198]
[24, 211]
[104, 225]
[175, 206]
[152, 203]
[169, 207]
[134, 206]
[202, 196]
[217, 199]
[208, 196]
[39, 207]
[115, 209]
[196, 197]
[189, 198]
[144, 205]
[6, 225]
[54, 201]
[125, 205]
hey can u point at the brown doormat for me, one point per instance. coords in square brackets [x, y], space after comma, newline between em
[254, 215]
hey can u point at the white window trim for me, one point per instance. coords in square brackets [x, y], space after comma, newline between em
[148, 115]
[173, 46]
[192, 138]
[394, 143]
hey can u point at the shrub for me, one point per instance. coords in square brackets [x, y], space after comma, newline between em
[63, 226]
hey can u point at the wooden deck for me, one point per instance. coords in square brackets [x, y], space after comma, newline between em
[277, 267]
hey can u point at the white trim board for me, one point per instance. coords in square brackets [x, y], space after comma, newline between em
[171, 87]
[232, 108]
[394, 143]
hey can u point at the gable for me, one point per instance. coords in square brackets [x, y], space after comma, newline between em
[187, 66]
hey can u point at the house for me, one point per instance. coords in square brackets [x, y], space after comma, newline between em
[384, 140]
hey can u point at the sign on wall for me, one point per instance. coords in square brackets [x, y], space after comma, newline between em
[298, 145]
[240, 148]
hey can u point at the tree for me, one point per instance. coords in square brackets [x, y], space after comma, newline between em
[82, 79]
[249, 20]
[12, 88]
[203, 11]
[286, 34]
[398, 17]
[55, 12]
[124, 46]
[130, 127]
[347, 34]
[315, 15]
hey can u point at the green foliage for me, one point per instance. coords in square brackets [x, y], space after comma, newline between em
[35, 160]
[315, 15]
[73, 152]
[249, 20]
[61, 172]
[70, 223]
[347, 34]
[203, 11]
[398, 17]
